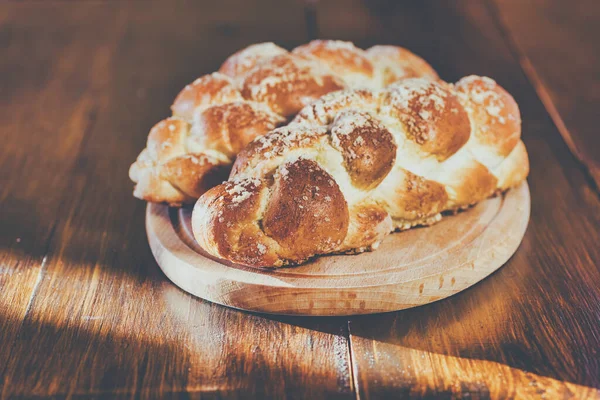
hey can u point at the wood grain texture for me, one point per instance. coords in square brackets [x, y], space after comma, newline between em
[44, 125]
[531, 329]
[104, 321]
[82, 83]
[409, 269]
[557, 46]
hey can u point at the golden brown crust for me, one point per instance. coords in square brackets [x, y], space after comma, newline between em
[355, 166]
[241, 62]
[206, 91]
[367, 147]
[470, 184]
[255, 90]
[306, 213]
[225, 223]
[343, 58]
[166, 167]
[369, 225]
[279, 142]
[194, 174]
[410, 197]
[514, 169]
[324, 110]
[164, 139]
[227, 128]
[395, 63]
[183, 178]
[431, 114]
[495, 113]
[232, 221]
[288, 83]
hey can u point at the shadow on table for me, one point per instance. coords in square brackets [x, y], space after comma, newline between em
[171, 345]
[108, 332]
[503, 320]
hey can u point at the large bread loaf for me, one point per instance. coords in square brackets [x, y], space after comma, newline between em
[358, 164]
[255, 90]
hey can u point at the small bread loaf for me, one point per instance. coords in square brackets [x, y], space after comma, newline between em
[358, 164]
[255, 90]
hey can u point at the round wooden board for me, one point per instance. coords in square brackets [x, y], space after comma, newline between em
[410, 268]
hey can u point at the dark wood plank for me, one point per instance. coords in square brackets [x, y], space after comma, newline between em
[531, 329]
[104, 320]
[47, 106]
[557, 45]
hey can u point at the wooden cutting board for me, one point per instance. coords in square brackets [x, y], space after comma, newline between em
[410, 268]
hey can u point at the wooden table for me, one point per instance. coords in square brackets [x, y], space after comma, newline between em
[84, 309]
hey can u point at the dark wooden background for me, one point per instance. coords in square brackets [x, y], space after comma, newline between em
[84, 309]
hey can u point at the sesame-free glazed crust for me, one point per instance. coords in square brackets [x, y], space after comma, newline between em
[256, 89]
[356, 165]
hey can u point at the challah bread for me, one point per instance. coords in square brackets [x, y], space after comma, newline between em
[255, 90]
[358, 164]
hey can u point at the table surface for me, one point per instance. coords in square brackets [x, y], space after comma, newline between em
[85, 310]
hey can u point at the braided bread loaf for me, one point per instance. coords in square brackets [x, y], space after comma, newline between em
[359, 164]
[254, 91]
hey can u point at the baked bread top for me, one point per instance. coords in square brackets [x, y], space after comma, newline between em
[358, 164]
[255, 90]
